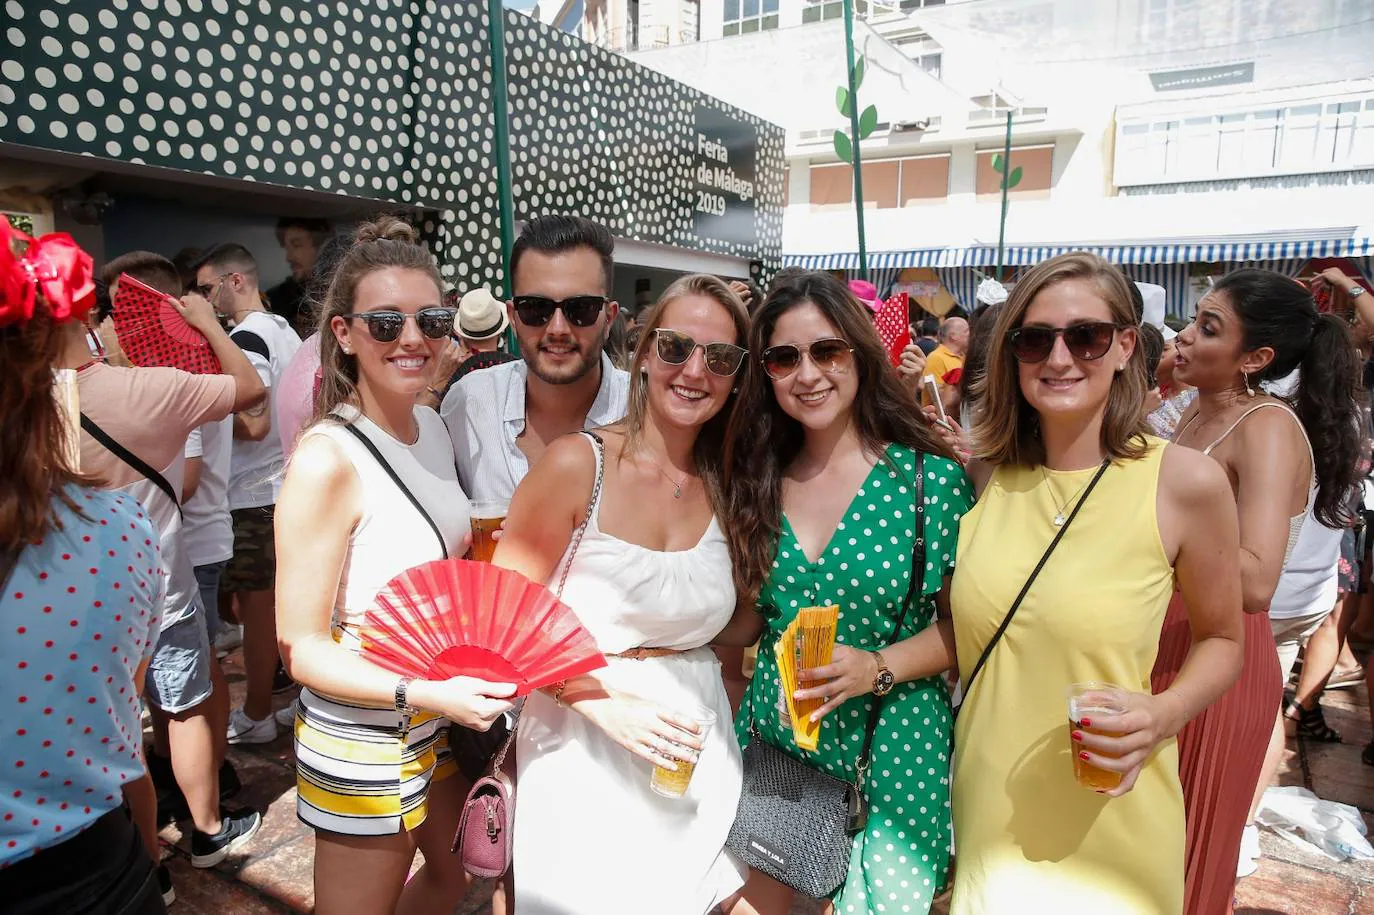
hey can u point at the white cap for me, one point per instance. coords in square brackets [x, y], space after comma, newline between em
[1155, 298]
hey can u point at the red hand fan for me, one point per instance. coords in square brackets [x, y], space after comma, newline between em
[892, 322]
[457, 618]
[153, 333]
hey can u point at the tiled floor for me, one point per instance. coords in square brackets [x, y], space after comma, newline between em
[274, 875]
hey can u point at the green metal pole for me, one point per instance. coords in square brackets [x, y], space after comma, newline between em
[1006, 180]
[501, 116]
[854, 134]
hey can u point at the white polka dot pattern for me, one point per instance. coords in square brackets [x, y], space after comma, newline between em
[901, 860]
[389, 100]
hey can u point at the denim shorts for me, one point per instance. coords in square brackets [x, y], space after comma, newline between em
[179, 674]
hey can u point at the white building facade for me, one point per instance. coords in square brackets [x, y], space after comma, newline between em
[1179, 139]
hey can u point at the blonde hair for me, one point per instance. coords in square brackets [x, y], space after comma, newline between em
[382, 244]
[1007, 430]
[710, 444]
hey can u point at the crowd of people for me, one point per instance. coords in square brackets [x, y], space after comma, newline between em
[1087, 498]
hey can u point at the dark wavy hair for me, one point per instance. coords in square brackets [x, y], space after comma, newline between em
[762, 440]
[1281, 314]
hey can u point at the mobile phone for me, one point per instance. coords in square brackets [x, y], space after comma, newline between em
[930, 396]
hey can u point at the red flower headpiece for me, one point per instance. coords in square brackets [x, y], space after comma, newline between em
[53, 266]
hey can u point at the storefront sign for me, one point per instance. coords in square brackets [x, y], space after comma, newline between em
[725, 168]
[1203, 77]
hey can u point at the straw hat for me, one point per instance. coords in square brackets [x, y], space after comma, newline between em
[480, 316]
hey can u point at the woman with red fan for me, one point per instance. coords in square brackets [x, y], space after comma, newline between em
[371, 491]
[627, 519]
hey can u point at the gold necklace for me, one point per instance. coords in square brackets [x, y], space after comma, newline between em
[1061, 516]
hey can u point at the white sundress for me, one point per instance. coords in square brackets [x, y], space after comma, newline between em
[590, 836]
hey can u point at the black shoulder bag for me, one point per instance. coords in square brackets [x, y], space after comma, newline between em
[128, 457]
[795, 823]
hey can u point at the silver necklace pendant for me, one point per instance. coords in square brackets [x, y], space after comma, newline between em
[1059, 520]
[677, 490]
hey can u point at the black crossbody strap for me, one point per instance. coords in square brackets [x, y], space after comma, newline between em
[128, 457]
[1006, 620]
[395, 478]
[913, 596]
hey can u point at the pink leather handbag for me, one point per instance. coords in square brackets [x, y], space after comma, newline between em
[483, 839]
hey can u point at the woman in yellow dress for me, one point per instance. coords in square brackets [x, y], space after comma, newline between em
[1061, 439]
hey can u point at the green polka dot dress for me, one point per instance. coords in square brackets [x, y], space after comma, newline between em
[900, 862]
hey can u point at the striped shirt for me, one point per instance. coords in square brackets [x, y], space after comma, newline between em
[485, 415]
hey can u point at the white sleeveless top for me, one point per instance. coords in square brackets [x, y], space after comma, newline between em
[391, 536]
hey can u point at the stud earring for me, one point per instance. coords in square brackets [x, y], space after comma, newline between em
[1248, 390]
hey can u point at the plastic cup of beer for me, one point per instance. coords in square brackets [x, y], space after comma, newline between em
[1093, 700]
[673, 782]
[487, 517]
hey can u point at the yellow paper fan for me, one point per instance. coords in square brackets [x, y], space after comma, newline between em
[807, 642]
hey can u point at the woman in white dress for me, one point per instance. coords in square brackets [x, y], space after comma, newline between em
[651, 580]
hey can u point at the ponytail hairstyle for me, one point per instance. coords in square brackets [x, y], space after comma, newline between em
[382, 244]
[1277, 312]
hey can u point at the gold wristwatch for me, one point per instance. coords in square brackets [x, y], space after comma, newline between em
[884, 680]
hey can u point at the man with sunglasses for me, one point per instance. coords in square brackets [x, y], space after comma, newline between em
[502, 418]
[228, 276]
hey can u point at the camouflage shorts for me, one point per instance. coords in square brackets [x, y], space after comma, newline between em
[254, 566]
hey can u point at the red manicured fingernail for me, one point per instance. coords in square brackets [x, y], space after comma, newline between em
[1084, 722]
[1077, 735]
[1084, 756]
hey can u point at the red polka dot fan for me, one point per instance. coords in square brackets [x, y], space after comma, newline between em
[153, 333]
[892, 322]
[458, 618]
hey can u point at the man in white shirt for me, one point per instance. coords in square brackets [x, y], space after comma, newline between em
[228, 276]
[502, 418]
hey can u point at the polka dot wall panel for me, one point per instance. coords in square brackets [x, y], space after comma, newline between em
[595, 134]
[391, 100]
[387, 100]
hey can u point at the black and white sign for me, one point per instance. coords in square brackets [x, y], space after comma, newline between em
[726, 192]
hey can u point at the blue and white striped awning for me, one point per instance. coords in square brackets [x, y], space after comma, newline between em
[1022, 255]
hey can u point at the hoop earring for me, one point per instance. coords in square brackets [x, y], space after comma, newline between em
[1248, 390]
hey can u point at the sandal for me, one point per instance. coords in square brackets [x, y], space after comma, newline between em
[1349, 678]
[1312, 726]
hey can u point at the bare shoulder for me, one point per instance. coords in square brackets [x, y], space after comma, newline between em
[1274, 427]
[318, 465]
[980, 472]
[1190, 478]
[567, 463]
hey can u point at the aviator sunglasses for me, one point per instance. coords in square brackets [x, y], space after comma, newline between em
[580, 310]
[1087, 341]
[435, 322]
[675, 348]
[831, 355]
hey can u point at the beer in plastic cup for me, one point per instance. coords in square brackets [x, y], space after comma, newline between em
[673, 783]
[1093, 700]
[486, 518]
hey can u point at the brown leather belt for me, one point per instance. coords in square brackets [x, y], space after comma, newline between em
[640, 654]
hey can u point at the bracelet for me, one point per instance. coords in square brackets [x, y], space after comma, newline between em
[558, 692]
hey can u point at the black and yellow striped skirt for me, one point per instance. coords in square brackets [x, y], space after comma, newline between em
[360, 772]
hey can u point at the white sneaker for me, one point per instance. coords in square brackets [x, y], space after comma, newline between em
[1249, 851]
[229, 638]
[243, 729]
[286, 717]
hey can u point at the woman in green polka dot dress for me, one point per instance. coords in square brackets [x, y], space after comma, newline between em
[822, 491]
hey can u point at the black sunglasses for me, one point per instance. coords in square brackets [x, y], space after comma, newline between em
[385, 326]
[580, 310]
[1087, 341]
[675, 348]
[831, 355]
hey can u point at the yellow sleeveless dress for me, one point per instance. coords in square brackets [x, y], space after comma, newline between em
[1027, 837]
